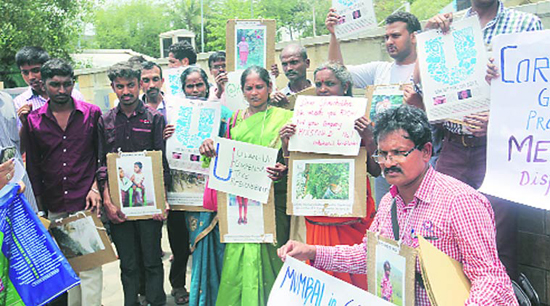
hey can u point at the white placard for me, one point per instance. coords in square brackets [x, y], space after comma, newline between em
[194, 121]
[233, 92]
[356, 16]
[172, 82]
[239, 168]
[326, 125]
[453, 68]
[518, 147]
[299, 284]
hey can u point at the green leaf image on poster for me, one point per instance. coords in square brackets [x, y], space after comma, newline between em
[329, 181]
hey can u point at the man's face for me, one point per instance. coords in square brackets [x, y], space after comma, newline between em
[31, 75]
[151, 82]
[294, 66]
[399, 42]
[217, 68]
[59, 89]
[402, 171]
[173, 62]
[126, 90]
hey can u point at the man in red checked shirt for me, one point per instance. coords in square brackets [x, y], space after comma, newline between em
[458, 219]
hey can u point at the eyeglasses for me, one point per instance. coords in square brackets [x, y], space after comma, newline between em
[394, 155]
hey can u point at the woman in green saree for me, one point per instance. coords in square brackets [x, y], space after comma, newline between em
[250, 269]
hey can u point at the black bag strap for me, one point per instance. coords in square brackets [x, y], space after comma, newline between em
[395, 224]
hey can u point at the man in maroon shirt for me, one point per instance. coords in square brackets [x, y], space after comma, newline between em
[132, 127]
[61, 160]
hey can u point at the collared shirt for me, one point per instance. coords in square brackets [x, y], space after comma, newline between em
[37, 101]
[287, 91]
[461, 224]
[62, 164]
[160, 108]
[143, 130]
[9, 137]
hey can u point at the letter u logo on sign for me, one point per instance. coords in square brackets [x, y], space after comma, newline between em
[215, 172]
[466, 53]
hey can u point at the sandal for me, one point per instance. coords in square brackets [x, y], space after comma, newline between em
[181, 296]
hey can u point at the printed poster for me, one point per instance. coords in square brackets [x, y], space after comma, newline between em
[518, 143]
[172, 82]
[382, 98]
[326, 125]
[453, 68]
[33, 269]
[194, 121]
[300, 284]
[356, 16]
[187, 190]
[239, 168]
[233, 92]
[251, 45]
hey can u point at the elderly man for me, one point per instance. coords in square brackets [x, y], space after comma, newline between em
[462, 218]
[295, 64]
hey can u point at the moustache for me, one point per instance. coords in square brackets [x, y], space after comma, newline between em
[393, 169]
[152, 90]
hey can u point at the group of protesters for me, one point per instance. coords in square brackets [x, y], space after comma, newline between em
[425, 183]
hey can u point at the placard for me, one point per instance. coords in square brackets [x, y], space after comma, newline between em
[239, 168]
[326, 125]
[518, 142]
[187, 191]
[391, 269]
[383, 97]
[356, 16]
[327, 185]
[453, 68]
[172, 83]
[83, 240]
[244, 220]
[194, 121]
[299, 284]
[310, 91]
[250, 42]
[233, 93]
[136, 183]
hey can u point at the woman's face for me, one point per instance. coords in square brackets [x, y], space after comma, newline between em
[195, 86]
[255, 90]
[326, 84]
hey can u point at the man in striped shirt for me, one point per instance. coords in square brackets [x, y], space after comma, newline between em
[457, 219]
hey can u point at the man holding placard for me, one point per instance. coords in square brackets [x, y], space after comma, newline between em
[456, 219]
[463, 155]
[133, 127]
[295, 64]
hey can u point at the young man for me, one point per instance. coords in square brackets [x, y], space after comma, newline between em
[295, 64]
[61, 142]
[463, 155]
[30, 60]
[181, 54]
[460, 218]
[216, 64]
[132, 127]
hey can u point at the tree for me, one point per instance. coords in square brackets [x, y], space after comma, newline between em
[54, 25]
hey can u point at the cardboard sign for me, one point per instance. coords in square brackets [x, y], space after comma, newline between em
[250, 42]
[391, 270]
[453, 68]
[233, 93]
[310, 91]
[239, 168]
[83, 240]
[187, 191]
[518, 143]
[326, 125]
[299, 284]
[244, 220]
[136, 183]
[327, 185]
[194, 121]
[356, 16]
[383, 97]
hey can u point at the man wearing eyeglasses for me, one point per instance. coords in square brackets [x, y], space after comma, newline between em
[458, 219]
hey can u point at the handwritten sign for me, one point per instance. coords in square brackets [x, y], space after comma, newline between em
[356, 17]
[453, 68]
[518, 147]
[299, 284]
[240, 169]
[233, 93]
[194, 121]
[325, 125]
[172, 83]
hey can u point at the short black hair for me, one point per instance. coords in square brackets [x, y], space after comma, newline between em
[56, 66]
[182, 50]
[405, 117]
[124, 70]
[203, 74]
[148, 65]
[31, 56]
[215, 57]
[139, 164]
[137, 59]
[412, 22]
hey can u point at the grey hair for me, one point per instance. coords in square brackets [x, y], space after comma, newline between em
[340, 72]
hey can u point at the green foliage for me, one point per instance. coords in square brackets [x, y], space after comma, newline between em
[319, 177]
[54, 25]
[426, 9]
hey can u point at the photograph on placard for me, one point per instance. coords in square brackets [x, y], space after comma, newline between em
[382, 98]
[78, 238]
[250, 42]
[390, 275]
[136, 188]
[323, 180]
[187, 189]
[244, 216]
